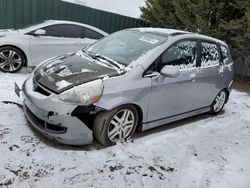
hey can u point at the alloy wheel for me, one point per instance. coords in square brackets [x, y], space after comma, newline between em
[10, 61]
[121, 126]
[219, 101]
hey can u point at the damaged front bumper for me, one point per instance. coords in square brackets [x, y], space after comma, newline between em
[53, 118]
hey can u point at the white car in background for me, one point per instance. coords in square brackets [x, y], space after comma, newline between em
[34, 44]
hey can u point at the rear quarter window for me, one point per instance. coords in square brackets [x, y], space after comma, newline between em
[224, 55]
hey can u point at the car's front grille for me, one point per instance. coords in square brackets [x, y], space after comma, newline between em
[48, 127]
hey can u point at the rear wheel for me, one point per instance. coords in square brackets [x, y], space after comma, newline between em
[116, 125]
[11, 59]
[219, 102]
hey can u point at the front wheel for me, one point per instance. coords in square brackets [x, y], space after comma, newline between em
[116, 125]
[219, 102]
[11, 59]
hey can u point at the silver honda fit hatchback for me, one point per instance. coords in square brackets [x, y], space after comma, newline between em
[133, 79]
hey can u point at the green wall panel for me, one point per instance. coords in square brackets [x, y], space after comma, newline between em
[17, 13]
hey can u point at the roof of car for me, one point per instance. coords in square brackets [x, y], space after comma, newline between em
[174, 32]
[76, 23]
[61, 21]
[160, 30]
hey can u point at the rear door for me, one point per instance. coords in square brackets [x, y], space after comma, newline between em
[174, 96]
[209, 75]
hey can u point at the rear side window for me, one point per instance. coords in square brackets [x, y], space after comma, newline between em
[92, 34]
[182, 54]
[64, 30]
[209, 54]
[225, 55]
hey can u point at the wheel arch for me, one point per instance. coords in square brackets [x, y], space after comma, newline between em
[23, 53]
[138, 108]
[140, 114]
[228, 93]
[102, 122]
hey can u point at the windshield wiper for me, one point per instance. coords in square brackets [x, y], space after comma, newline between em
[110, 61]
[114, 63]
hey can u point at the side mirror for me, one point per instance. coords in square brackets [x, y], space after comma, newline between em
[170, 71]
[40, 32]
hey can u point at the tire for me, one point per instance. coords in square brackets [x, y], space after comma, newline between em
[117, 125]
[12, 60]
[219, 102]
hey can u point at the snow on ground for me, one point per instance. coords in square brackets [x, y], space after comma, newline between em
[124, 7]
[198, 152]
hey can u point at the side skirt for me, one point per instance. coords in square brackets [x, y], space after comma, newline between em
[157, 123]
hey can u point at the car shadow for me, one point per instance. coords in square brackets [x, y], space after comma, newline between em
[175, 124]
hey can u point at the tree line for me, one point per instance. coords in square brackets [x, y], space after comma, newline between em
[228, 20]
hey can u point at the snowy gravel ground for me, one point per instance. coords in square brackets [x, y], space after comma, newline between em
[199, 152]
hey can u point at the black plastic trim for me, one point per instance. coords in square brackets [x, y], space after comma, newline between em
[174, 115]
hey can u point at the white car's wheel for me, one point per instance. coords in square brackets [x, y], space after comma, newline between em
[11, 59]
[219, 102]
[115, 126]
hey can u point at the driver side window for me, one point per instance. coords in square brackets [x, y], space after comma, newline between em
[64, 31]
[182, 55]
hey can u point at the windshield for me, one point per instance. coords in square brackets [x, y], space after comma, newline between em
[126, 46]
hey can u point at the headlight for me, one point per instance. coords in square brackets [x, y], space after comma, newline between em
[84, 94]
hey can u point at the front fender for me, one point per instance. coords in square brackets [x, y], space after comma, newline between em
[130, 88]
[17, 42]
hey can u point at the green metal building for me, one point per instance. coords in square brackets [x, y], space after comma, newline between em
[18, 13]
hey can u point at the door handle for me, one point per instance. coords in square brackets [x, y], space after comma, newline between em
[153, 75]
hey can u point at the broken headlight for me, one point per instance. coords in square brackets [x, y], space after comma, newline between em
[84, 94]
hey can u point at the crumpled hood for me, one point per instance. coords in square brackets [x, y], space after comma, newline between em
[65, 72]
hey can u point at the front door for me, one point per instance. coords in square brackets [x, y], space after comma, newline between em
[175, 96]
[59, 40]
